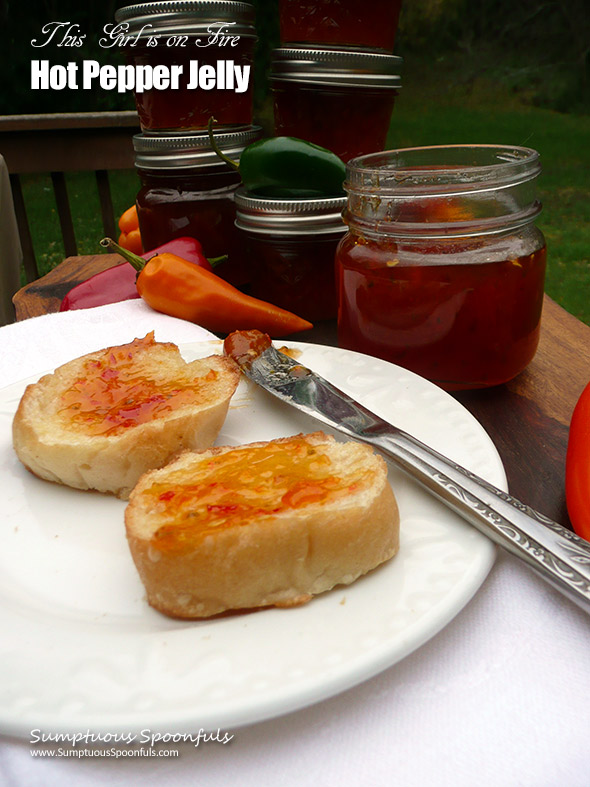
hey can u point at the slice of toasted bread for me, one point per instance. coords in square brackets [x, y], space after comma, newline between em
[100, 421]
[262, 524]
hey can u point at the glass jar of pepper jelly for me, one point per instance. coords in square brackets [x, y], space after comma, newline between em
[187, 190]
[371, 24]
[339, 99]
[442, 270]
[192, 34]
[289, 246]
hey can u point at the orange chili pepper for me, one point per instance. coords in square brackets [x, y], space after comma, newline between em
[177, 287]
[130, 237]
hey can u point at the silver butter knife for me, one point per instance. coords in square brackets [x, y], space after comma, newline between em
[558, 555]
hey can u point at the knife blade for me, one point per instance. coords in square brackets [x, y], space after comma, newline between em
[555, 553]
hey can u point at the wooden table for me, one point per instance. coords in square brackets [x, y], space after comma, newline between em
[527, 418]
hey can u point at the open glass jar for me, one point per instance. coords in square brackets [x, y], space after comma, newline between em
[339, 99]
[442, 270]
[289, 247]
[216, 34]
[187, 190]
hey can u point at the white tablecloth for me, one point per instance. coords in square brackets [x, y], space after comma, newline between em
[500, 697]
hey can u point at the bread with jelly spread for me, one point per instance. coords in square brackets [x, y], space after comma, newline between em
[264, 524]
[102, 420]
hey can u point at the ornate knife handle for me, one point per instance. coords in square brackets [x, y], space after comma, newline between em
[554, 552]
[557, 554]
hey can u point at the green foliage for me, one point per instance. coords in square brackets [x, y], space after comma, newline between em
[437, 107]
[538, 48]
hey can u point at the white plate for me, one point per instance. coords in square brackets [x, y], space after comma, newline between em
[80, 647]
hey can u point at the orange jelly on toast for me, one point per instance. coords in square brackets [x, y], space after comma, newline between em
[122, 388]
[245, 483]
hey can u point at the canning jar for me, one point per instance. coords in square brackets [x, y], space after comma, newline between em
[187, 190]
[442, 270]
[289, 247]
[341, 100]
[217, 34]
[344, 23]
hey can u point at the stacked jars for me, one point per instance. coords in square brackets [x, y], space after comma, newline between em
[334, 79]
[187, 190]
[185, 32]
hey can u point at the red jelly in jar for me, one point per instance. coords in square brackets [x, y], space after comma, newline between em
[289, 246]
[341, 100]
[371, 24]
[187, 190]
[200, 37]
[442, 270]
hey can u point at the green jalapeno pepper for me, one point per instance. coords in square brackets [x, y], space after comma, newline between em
[287, 167]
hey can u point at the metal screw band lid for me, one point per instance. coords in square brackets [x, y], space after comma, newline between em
[183, 151]
[289, 216]
[189, 17]
[336, 67]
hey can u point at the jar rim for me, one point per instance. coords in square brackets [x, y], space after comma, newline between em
[443, 190]
[442, 169]
[494, 226]
[190, 17]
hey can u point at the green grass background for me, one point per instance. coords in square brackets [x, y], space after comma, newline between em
[435, 106]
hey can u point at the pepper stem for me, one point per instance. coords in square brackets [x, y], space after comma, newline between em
[215, 261]
[135, 260]
[233, 164]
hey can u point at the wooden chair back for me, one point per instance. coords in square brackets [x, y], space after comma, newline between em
[61, 143]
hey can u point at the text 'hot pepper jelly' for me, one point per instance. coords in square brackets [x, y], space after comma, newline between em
[219, 35]
[442, 270]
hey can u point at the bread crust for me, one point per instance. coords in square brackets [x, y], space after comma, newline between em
[55, 451]
[281, 560]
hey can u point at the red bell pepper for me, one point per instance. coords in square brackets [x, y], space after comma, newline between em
[577, 467]
[118, 283]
